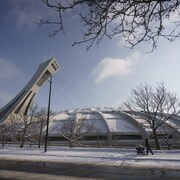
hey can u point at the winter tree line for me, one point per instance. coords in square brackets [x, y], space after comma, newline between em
[156, 102]
[30, 129]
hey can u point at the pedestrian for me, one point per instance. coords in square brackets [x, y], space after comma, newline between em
[148, 147]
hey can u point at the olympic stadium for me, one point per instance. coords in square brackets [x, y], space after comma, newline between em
[110, 127]
[100, 127]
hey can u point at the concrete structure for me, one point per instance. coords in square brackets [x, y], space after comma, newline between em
[22, 101]
[112, 127]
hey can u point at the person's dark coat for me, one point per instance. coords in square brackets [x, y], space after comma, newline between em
[148, 147]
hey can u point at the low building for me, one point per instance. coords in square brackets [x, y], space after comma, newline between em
[108, 127]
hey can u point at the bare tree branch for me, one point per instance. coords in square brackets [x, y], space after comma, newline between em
[76, 129]
[134, 21]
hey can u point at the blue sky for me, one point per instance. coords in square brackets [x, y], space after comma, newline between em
[103, 76]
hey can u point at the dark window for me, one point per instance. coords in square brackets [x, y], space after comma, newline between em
[45, 76]
[57, 139]
[94, 138]
[21, 105]
[126, 137]
[161, 136]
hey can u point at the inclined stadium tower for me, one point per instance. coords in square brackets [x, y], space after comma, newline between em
[22, 101]
[109, 126]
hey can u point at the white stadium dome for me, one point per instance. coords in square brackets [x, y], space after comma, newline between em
[109, 126]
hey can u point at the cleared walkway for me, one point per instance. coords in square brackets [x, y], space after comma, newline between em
[87, 163]
[32, 171]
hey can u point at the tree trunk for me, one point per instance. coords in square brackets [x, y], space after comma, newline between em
[70, 144]
[22, 143]
[156, 139]
[3, 142]
[23, 139]
[39, 140]
[40, 134]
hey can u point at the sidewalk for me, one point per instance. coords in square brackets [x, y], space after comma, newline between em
[161, 160]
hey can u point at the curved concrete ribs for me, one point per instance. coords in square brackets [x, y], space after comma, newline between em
[22, 101]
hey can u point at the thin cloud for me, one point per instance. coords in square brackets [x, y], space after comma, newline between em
[8, 69]
[25, 14]
[111, 67]
[26, 19]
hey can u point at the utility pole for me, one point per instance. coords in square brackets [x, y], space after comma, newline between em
[48, 114]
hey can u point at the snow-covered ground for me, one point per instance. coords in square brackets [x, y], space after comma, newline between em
[162, 159]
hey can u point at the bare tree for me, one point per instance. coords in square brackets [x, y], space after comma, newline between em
[76, 129]
[156, 103]
[166, 133]
[41, 117]
[22, 125]
[5, 133]
[135, 21]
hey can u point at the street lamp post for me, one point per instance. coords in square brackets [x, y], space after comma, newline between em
[48, 114]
